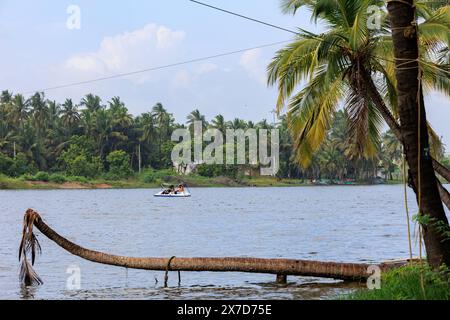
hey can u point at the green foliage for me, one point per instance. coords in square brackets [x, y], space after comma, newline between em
[446, 161]
[57, 178]
[77, 179]
[217, 170]
[84, 167]
[79, 159]
[14, 167]
[210, 171]
[41, 176]
[119, 165]
[5, 164]
[406, 284]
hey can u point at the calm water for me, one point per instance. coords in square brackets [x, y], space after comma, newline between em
[351, 224]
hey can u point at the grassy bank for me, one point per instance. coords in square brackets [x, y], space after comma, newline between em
[145, 180]
[409, 283]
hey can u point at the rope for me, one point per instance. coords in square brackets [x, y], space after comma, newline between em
[419, 152]
[407, 209]
[166, 276]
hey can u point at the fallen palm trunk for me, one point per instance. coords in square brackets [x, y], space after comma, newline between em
[279, 267]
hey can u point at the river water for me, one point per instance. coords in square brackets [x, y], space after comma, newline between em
[342, 223]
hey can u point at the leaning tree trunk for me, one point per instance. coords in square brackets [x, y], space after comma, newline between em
[413, 121]
[280, 267]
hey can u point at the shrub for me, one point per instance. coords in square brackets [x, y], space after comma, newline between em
[57, 178]
[5, 164]
[41, 176]
[119, 164]
[79, 159]
[77, 179]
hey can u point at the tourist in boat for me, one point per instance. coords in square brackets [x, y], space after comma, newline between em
[180, 189]
[170, 190]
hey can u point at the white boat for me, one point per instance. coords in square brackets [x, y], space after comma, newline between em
[184, 194]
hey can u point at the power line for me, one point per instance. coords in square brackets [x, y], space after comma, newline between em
[313, 36]
[120, 75]
[244, 17]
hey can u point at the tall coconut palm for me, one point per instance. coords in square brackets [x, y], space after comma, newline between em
[121, 117]
[70, 117]
[92, 102]
[219, 123]
[39, 109]
[351, 64]
[196, 116]
[5, 96]
[20, 109]
[348, 63]
[163, 121]
[411, 109]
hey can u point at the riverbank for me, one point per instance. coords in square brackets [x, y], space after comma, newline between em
[7, 183]
[146, 181]
[408, 283]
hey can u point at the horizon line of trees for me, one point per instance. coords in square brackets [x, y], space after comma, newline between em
[92, 139]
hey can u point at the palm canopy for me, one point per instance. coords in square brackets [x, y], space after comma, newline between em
[333, 68]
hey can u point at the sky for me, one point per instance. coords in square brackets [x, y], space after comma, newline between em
[39, 51]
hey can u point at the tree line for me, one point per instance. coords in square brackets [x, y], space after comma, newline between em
[95, 139]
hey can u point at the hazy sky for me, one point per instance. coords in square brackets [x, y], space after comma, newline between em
[39, 51]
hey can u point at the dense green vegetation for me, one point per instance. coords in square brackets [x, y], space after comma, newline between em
[47, 141]
[409, 283]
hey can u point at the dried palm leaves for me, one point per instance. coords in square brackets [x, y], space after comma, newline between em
[29, 246]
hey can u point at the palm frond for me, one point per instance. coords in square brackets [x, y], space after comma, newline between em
[310, 115]
[29, 245]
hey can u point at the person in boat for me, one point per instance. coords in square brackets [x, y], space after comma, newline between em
[180, 189]
[169, 190]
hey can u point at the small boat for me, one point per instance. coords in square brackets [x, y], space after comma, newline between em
[184, 194]
[169, 192]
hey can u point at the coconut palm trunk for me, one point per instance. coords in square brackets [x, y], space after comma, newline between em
[414, 130]
[281, 267]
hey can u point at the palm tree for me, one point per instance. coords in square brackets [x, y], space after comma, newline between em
[70, 117]
[343, 64]
[5, 97]
[219, 123]
[5, 134]
[264, 124]
[411, 109]
[121, 116]
[196, 116]
[40, 112]
[352, 64]
[19, 110]
[237, 124]
[92, 103]
[29, 246]
[163, 121]
[103, 131]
